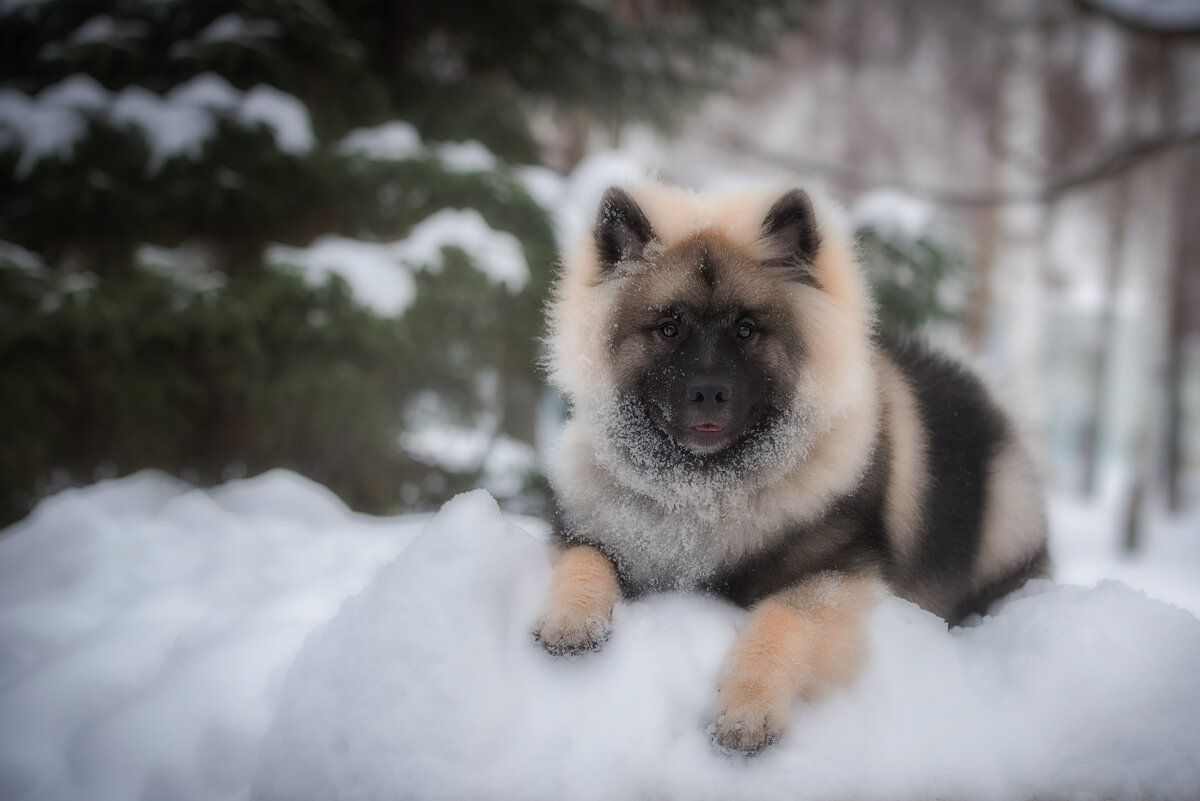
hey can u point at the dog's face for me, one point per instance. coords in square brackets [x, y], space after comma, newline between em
[703, 334]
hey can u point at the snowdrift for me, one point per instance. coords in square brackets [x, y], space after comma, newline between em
[146, 628]
[428, 685]
[165, 643]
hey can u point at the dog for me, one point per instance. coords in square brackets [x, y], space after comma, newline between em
[739, 426]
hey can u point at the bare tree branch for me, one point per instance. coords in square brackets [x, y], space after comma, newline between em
[1115, 161]
[1177, 18]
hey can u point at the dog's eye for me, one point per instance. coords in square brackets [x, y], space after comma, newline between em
[745, 330]
[668, 329]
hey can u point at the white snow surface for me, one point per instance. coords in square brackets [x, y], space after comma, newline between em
[146, 629]
[258, 640]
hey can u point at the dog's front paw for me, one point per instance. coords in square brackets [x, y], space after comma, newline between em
[577, 616]
[746, 724]
[569, 632]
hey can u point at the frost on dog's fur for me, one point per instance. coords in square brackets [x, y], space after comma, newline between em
[652, 464]
[738, 426]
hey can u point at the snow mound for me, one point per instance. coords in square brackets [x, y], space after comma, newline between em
[428, 685]
[152, 646]
[146, 627]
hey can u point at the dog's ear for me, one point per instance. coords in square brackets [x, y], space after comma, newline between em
[790, 231]
[622, 230]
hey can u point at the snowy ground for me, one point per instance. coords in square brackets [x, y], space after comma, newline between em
[162, 642]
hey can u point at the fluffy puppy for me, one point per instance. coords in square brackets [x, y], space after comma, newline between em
[738, 426]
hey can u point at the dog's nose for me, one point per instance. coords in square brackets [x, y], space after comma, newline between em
[709, 391]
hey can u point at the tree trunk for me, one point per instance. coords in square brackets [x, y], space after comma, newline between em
[1105, 341]
[1185, 298]
[980, 297]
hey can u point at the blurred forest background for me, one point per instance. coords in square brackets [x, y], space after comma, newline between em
[318, 235]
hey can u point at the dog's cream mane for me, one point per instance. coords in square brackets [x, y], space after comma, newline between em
[670, 526]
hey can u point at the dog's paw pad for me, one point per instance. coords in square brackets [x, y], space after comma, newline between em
[561, 635]
[746, 732]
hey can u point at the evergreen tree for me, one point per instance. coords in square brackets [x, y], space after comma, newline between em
[157, 160]
[913, 276]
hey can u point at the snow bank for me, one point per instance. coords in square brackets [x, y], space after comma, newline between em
[149, 634]
[1087, 548]
[428, 685]
[146, 628]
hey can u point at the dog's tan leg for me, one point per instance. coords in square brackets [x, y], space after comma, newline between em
[798, 643]
[578, 612]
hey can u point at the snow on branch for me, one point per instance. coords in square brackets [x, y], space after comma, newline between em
[398, 140]
[176, 124]
[380, 273]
